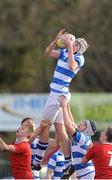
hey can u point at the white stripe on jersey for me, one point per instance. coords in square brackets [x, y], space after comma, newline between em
[83, 171]
[77, 148]
[59, 87]
[58, 169]
[34, 146]
[63, 64]
[52, 161]
[62, 76]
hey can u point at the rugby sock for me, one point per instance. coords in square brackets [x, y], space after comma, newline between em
[68, 162]
[41, 148]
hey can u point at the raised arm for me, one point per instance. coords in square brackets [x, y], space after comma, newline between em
[71, 62]
[38, 130]
[50, 50]
[69, 124]
[71, 115]
[4, 146]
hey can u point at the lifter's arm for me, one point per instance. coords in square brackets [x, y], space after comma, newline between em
[69, 124]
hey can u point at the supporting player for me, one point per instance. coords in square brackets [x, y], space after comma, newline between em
[81, 141]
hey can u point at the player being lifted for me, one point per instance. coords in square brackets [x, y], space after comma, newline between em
[69, 61]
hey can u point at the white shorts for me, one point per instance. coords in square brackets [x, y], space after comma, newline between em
[52, 110]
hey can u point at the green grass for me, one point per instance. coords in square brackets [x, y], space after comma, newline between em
[95, 106]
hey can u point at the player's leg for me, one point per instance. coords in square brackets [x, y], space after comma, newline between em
[50, 112]
[63, 137]
[41, 147]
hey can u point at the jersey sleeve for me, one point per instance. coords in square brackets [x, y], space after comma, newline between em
[52, 162]
[62, 53]
[20, 148]
[79, 137]
[80, 59]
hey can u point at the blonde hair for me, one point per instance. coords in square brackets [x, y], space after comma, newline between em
[30, 128]
[28, 121]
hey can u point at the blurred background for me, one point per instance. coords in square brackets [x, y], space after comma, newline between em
[26, 28]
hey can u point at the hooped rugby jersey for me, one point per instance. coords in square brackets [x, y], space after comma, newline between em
[62, 74]
[80, 145]
[57, 164]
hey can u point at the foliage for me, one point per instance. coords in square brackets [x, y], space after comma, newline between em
[26, 28]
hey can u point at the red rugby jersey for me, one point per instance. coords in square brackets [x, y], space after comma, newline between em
[101, 154]
[21, 160]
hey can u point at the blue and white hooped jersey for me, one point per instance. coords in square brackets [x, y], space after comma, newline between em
[80, 144]
[34, 145]
[62, 74]
[57, 164]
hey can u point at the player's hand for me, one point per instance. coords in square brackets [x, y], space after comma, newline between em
[44, 123]
[67, 40]
[63, 101]
[61, 31]
[90, 146]
[42, 126]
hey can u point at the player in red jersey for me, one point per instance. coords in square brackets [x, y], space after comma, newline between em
[101, 154]
[20, 157]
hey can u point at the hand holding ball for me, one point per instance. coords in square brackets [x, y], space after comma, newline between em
[60, 41]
